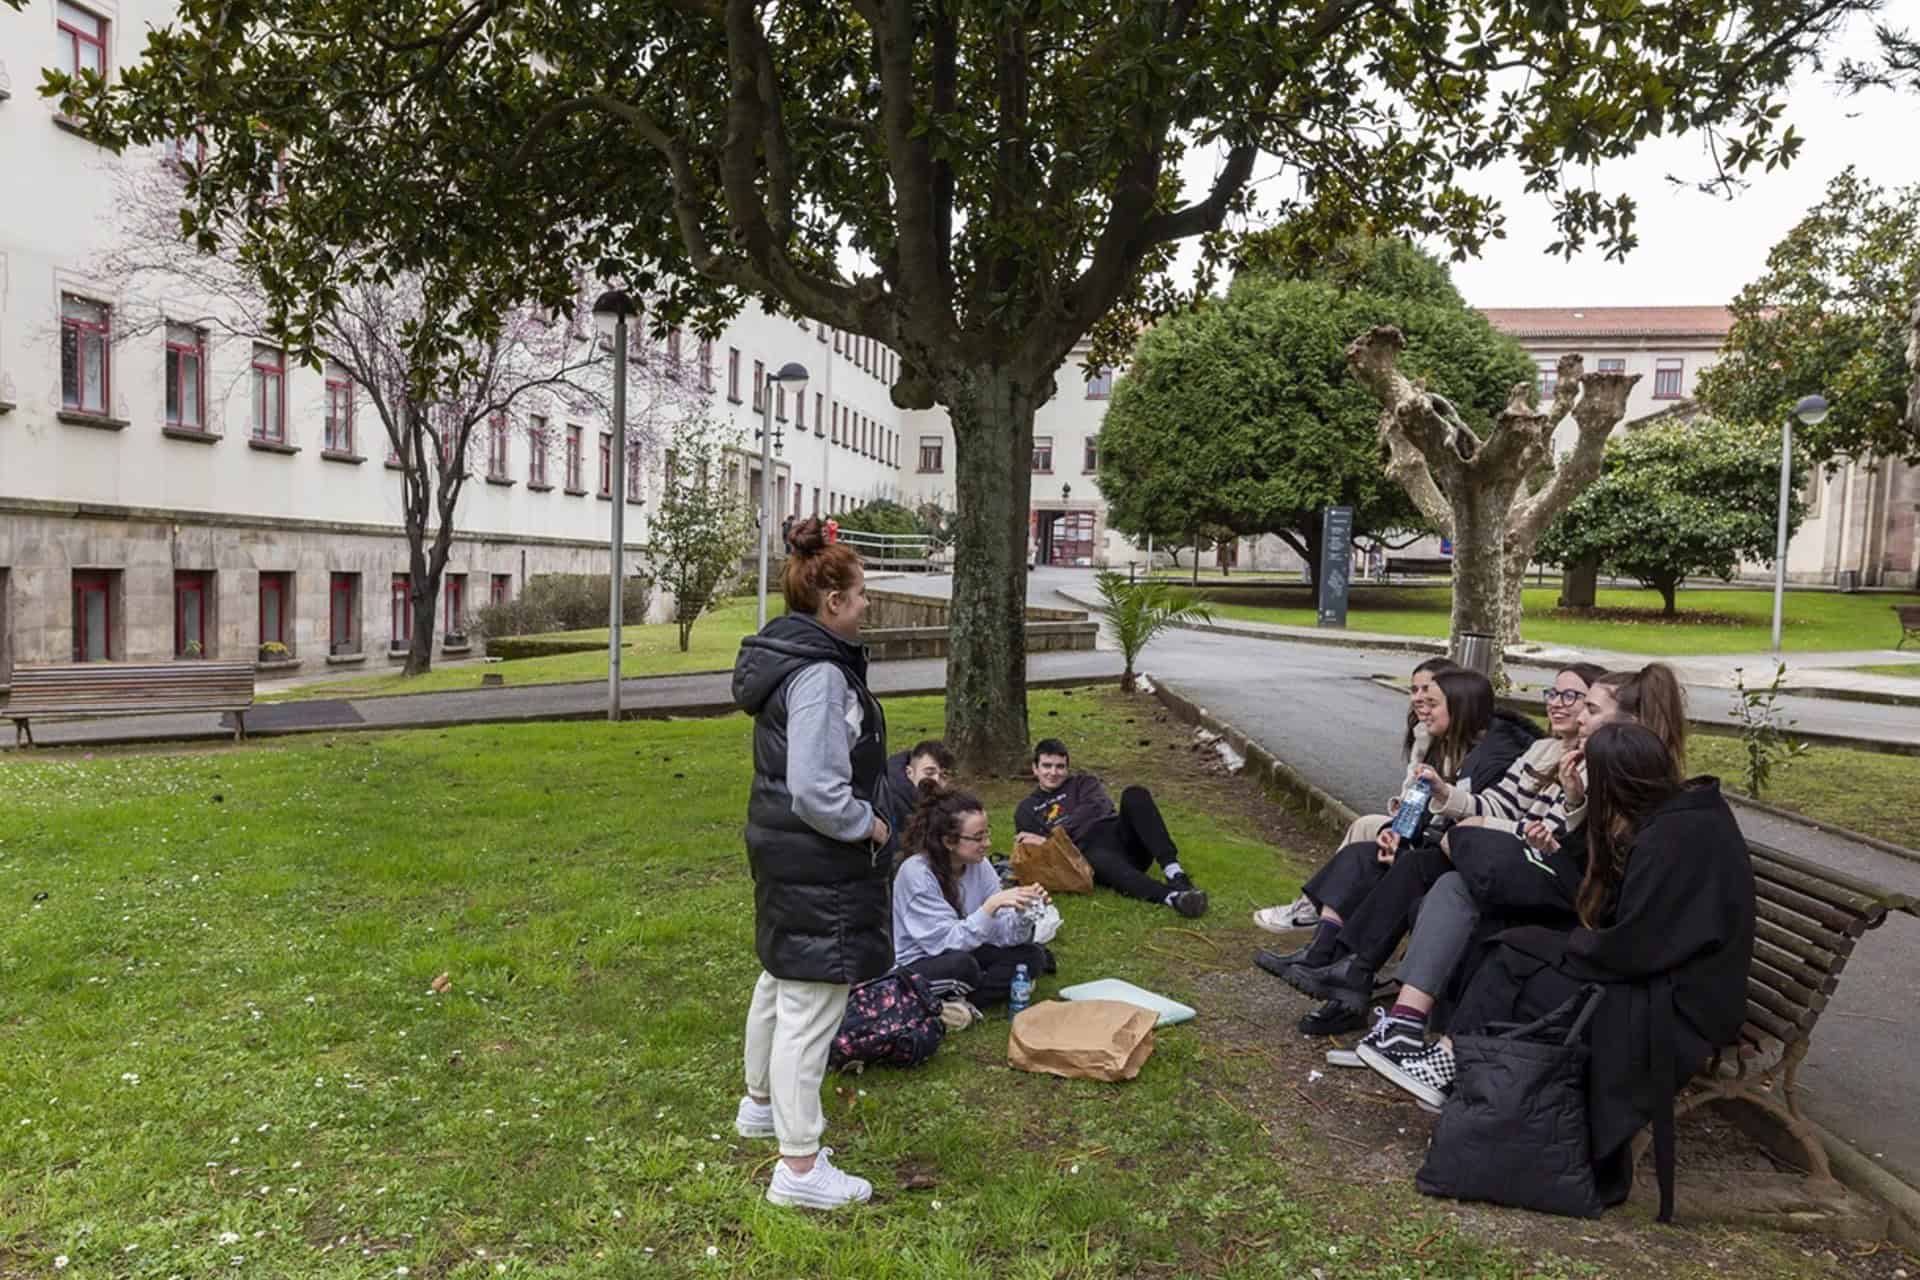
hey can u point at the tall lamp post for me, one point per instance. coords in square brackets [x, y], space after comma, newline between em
[792, 377]
[1811, 410]
[610, 313]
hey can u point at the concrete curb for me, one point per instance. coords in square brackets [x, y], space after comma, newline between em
[1877, 696]
[1851, 1166]
[1722, 729]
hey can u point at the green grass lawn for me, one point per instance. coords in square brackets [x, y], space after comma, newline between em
[221, 1055]
[1724, 621]
[1863, 791]
[651, 650]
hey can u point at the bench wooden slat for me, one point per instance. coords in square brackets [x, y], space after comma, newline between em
[1819, 981]
[1780, 1029]
[1785, 930]
[1799, 1016]
[1833, 918]
[1799, 994]
[1835, 887]
[75, 691]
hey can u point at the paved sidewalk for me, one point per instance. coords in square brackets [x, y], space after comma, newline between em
[704, 694]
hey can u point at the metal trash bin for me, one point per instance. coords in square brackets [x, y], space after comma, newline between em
[1474, 650]
[1849, 580]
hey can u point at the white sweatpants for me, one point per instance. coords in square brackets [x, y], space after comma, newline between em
[1364, 829]
[790, 1028]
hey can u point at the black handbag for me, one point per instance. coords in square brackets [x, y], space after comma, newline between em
[1514, 1130]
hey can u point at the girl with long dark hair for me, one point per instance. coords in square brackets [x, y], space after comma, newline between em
[951, 918]
[1666, 912]
[1417, 748]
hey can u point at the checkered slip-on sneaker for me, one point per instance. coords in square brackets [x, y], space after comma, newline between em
[1425, 1071]
[1351, 1057]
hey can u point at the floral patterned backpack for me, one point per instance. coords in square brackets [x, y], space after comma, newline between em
[893, 1020]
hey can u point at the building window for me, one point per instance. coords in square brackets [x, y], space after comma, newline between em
[1100, 385]
[932, 454]
[93, 610]
[343, 613]
[455, 626]
[497, 446]
[1547, 382]
[269, 393]
[276, 602]
[819, 414]
[573, 460]
[1090, 463]
[820, 332]
[780, 402]
[192, 603]
[85, 349]
[1043, 453]
[606, 464]
[733, 374]
[500, 589]
[706, 364]
[816, 500]
[633, 472]
[186, 376]
[836, 342]
[339, 425]
[836, 423]
[83, 39]
[400, 612]
[673, 350]
[1666, 378]
[799, 411]
[187, 153]
[759, 386]
[1613, 364]
[537, 452]
[1816, 490]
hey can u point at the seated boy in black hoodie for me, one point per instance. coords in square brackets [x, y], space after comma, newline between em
[1119, 844]
[930, 762]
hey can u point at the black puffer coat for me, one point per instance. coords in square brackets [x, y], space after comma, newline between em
[820, 906]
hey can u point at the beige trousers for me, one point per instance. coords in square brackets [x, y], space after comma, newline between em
[790, 1027]
[1365, 829]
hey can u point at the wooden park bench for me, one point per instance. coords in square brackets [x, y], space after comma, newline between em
[1809, 918]
[1420, 566]
[1909, 615]
[87, 690]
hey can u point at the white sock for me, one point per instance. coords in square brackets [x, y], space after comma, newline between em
[1172, 869]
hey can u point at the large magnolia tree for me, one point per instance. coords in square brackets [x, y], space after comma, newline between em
[976, 185]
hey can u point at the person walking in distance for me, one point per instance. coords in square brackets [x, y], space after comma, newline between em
[815, 842]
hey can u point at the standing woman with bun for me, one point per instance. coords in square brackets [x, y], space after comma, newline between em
[814, 842]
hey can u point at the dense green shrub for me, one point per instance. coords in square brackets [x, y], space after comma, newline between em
[561, 602]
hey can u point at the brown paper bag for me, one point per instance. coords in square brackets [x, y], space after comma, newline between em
[1082, 1039]
[1055, 865]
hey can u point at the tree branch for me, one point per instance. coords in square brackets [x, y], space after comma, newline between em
[1603, 402]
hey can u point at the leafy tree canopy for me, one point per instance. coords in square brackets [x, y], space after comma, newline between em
[1677, 500]
[1832, 315]
[1242, 413]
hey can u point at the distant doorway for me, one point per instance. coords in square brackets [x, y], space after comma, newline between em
[1063, 537]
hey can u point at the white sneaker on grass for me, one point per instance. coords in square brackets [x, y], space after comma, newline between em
[821, 1187]
[754, 1119]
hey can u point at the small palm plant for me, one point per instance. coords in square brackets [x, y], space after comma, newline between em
[1139, 611]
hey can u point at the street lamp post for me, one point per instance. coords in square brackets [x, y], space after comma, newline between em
[610, 312]
[1811, 410]
[792, 377]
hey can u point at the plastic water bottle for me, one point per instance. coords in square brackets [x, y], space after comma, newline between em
[1413, 808]
[1021, 994]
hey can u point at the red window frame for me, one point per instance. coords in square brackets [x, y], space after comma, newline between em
[341, 587]
[339, 425]
[1100, 385]
[454, 616]
[574, 460]
[76, 332]
[1669, 377]
[190, 582]
[275, 585]
[536, 450]
[179, 352]
[932, 456]
[497, 446]
[500, 589]
[1043, 454]
[400, 612]
[76, 39]
[606, 464]
[1090, 455]
[84, 585]
[269, 378]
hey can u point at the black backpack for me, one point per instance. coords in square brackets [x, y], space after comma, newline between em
[893, 1020]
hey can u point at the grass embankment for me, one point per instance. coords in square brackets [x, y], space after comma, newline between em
[1909, 670]
[1864, 791]
[221, 1054]
[1628, 621]
[649, 650]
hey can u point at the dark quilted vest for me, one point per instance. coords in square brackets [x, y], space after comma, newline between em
[822, 912]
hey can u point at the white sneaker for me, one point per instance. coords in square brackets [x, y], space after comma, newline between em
[1351, 1057]
[754, 1119]
[822, 1187]
[1298, 914]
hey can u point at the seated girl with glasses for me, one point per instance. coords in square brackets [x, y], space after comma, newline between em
[951, 919]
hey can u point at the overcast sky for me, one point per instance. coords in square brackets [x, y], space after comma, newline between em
[1695, 248]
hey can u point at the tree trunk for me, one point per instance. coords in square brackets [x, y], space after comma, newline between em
[1668, 587]
[1513, 572]
[1580, 583]
[422, 589]
[1479, 568]
[986, 658]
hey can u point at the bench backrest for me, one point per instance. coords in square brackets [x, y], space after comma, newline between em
[89, 688]
[1909, 614]
[1809, 918]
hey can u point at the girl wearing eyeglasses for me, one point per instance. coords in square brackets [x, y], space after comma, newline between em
[951, 918]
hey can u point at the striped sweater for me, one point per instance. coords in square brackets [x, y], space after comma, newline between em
[1529, 791]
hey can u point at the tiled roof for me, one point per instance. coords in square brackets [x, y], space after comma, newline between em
[1610, 322]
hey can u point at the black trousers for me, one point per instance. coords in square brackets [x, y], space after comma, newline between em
[1344, 882]
[988, 970]
[1121, 848]
[1374, 928]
